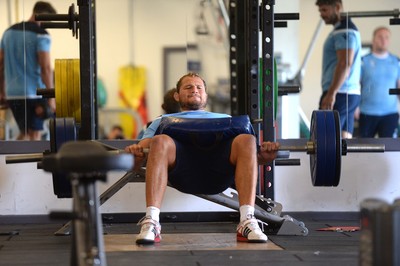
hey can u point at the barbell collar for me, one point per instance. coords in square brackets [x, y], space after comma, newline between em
[367, 148]
[309, 148]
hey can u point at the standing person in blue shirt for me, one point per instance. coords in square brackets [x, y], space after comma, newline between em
[380, 71]
[341, 65]
[195, 170]
[25, 66]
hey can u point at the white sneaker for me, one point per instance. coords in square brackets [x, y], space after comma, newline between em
[150, 232]
[249, 231]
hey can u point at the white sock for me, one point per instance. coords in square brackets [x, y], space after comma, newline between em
[153, 212]
[246, 212]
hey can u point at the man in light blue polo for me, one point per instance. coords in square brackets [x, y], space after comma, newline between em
[25, 66]
[380, 72]
[340, 65]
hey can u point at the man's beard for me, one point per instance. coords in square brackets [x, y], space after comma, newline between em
[193, 106]
[331, 20]
[380, 50]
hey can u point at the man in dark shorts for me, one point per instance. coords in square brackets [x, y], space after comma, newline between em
[341, 65]
[24, 67]
[191, 169]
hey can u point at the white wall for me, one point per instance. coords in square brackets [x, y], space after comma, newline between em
[285, 43]
[363, 176]
[26, 190]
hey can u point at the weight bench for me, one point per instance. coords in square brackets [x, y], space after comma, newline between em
[63, 130]
[265, 209]
[85, 163]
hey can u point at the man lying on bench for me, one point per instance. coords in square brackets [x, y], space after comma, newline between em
[200, 158]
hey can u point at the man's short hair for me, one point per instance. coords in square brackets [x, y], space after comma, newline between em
[328, 2]
[190, 74]
[42, 7]
[380, 28]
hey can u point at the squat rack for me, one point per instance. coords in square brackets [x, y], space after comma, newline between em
[84, 25]
[247, 20]
[252, 75]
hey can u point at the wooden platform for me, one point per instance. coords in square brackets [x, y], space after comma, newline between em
[188, 243]
[210, 241]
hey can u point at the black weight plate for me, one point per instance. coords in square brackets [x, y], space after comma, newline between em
[64, 130]
[60, 132]
[52, 129]
[70, 129]
[315, 119]
[330, 149]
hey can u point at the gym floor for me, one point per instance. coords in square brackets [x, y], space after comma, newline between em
[33, 242]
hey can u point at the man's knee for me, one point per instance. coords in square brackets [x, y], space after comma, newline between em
[244, 143]
[162, 143]
[245, 139]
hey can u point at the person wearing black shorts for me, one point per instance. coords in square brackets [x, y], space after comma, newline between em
[199, 169]
[341, 65]
[24, 67]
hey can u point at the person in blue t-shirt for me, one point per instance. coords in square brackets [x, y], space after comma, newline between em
[380, 71]
[341, 65]
[195, 170]
[24, 67]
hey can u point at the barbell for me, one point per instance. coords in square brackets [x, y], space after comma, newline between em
[325, 148]
[325, 145]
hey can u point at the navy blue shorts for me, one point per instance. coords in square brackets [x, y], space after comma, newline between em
[346, 105]
[25, 115]
[202, 170]
[385, 126]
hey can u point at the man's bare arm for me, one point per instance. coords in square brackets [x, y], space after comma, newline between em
[47, 74]
[344, 62]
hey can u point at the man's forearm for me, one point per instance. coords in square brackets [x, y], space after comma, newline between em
[339, 77]
[2, 79]
[46, 72]
[47, 77]
[344, 63]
